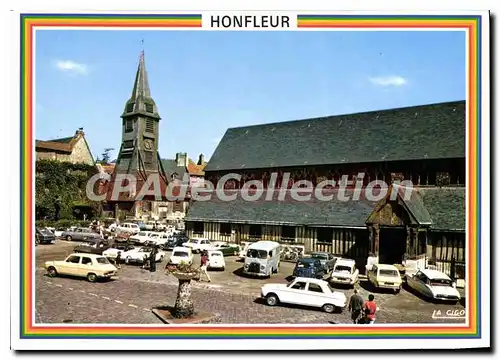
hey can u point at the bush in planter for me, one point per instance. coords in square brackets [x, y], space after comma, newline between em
[184, 272]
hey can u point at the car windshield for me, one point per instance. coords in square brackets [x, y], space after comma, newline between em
[440, 282]
[180, 254]
[142, 233]
[320, 256]
[102, 260]
[388, 272]
[305, 263]
[215, 255]
[144, 250]
[345, 268]
[257, 254]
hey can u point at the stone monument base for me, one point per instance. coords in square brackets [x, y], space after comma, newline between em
[201, 317]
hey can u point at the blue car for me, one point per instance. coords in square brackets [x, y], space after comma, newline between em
[309, 268]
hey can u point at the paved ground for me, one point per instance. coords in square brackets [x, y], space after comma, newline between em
[129, 299]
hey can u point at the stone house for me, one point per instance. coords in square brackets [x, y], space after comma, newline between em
[73, 149]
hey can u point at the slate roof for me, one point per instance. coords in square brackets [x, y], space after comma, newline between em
[288, 212]
[433, 131]
[170, 167]
[446, 207]
[441, 208]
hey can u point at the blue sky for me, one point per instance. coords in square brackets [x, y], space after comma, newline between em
[205, 82]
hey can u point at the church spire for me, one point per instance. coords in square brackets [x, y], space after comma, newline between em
[140, 101]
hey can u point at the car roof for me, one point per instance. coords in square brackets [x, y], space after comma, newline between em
[345, 262]
[85, 254]
[434, 274]
[264, 245]
[311, 280]
[215, 251]
[181, 248]
[386, 267]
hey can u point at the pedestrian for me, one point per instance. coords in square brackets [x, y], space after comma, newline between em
[145, 262]
[370, 308]
[118, 260]
[204, 264]
[356, 303]
[152, 259]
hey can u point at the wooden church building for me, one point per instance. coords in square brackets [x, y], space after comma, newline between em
[421, 144]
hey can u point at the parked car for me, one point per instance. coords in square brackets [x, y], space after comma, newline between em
[112, 252]
[309, 268]
[385, 276]
[434, 285]
[141, 237]
[81, 234]
[216, 260]
[139, 255]
[59, 231]
[198, 245]
[181, 254]
[345, 272]
[307, 292]
[174, 241]
[160, 226]
[243, 250]
[44, 236]
[91, 266]
[92, 248]
[327, 260]
[159, 238]
[150, 225]
[128, 227]
[227, 249]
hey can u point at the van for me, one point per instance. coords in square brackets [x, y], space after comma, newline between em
[262, 258]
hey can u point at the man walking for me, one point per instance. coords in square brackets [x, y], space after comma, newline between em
[204, 264]
[370, 309]
[118, 260]
[356, 306]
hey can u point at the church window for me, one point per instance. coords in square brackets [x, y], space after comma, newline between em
[129, 125]
[149, 108]
[150, 126]
[130, 107]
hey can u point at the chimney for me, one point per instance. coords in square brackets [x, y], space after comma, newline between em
[79, 131]
[201, 160]
[181, 159]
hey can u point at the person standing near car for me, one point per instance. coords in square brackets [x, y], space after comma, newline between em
[370, 309]
[356, 303]
[204, 265]
[118, 260]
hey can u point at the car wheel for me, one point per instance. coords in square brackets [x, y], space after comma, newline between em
[272, 299]
[91, 277]
[223, 268]
[396, 291]
[328, 308]
[52, 272]
[68, 238]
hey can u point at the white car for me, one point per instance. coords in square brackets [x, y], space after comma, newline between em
[385, 276]
[142, 237]
[307, 292]
[216, 260]
[434, 285]
[128, 228]
[198, 245]
[90, 266]
[159, 238]
[139, 255]
[181, 254]
[113, 251]
[243, 252]
[345, 272]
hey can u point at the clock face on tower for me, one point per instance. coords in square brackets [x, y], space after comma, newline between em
[148, 144]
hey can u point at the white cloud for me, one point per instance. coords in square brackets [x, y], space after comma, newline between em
[388, 81]
[72, 67]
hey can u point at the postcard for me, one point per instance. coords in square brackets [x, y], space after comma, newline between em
[251, 180]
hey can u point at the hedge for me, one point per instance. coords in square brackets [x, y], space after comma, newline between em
[65, 180]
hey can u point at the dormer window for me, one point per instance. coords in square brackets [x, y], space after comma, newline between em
[149, 108]
[130, 107]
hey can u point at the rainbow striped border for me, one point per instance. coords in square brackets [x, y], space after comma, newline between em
[30, 22]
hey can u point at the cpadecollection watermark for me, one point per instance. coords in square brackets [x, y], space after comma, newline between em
[253, 190]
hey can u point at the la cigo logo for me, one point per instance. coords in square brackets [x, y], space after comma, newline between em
[448, 314]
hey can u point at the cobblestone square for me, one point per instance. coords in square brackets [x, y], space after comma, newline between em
[131, 297]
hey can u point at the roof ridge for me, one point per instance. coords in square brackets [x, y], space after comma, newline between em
[348, 114]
